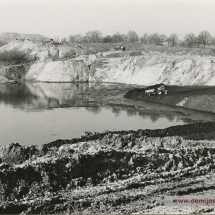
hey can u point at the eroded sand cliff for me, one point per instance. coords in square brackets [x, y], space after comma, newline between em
[148, 69]
[50, 63]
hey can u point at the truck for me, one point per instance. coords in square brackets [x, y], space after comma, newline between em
[158, 89]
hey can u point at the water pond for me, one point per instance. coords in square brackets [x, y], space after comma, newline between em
[38, 113]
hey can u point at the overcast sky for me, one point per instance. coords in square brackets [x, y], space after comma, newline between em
[62, 18]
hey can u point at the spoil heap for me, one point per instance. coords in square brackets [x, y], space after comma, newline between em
[111, 172]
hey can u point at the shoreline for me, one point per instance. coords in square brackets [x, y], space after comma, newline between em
[199, 98]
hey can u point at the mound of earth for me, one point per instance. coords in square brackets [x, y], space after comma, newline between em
[43, 62]
[8, 37]
[111, 172]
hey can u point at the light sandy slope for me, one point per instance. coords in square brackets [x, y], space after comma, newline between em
[160, 68]
[148, 69]
[58, 71]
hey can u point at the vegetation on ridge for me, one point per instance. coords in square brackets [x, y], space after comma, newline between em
[14, 56]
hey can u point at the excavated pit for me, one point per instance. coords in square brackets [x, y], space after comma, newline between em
[112, 172]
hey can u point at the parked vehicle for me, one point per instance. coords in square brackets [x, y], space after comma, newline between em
[158, 89]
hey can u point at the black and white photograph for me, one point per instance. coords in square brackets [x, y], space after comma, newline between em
[107, 107]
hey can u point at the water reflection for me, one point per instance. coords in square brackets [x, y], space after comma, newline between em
[45, 96]
[38, 113]
[38, 96]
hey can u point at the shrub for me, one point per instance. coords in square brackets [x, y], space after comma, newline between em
[114, 55]
[135, 53]
[213, 51]
[2, 43]
[14, 56]
[69, 54]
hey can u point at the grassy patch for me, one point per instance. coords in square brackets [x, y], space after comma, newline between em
[69, 54]
[135, 53]
[113, 55]
[137, 48]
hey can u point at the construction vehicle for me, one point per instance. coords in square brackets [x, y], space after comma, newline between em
[158, 89]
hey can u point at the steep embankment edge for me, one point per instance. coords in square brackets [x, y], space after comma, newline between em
[147, 69]
[153, 68]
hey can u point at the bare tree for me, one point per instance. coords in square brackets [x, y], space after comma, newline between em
[163, 38]
[212, 42]
[173, 39]
[124, 38]
[132, 36]
[77, 38]
[117, 37]
[154, 39]
[107, 39]
[204, 38]
[94, 36]
[144, 39]
[190, 39]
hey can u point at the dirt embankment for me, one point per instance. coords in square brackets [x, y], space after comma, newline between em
[111, 172]
[146, 69]
[192, 97]
[11, 74]
[142, 67]
[153, 68]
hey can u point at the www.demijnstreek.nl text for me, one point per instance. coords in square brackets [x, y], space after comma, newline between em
[189, 201]
[205, 201]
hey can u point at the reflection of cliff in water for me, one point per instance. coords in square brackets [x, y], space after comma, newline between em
[36, 96]
[42, 96]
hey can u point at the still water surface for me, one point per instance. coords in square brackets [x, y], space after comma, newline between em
[34, 114]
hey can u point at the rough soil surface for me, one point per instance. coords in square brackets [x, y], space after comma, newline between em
[111, 172]
[12, 74]
[192, 97]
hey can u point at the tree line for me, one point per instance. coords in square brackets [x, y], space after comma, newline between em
[190, 40]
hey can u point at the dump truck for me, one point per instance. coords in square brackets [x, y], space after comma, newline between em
[158, 89]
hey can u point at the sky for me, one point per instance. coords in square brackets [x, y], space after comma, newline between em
[61, 18]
